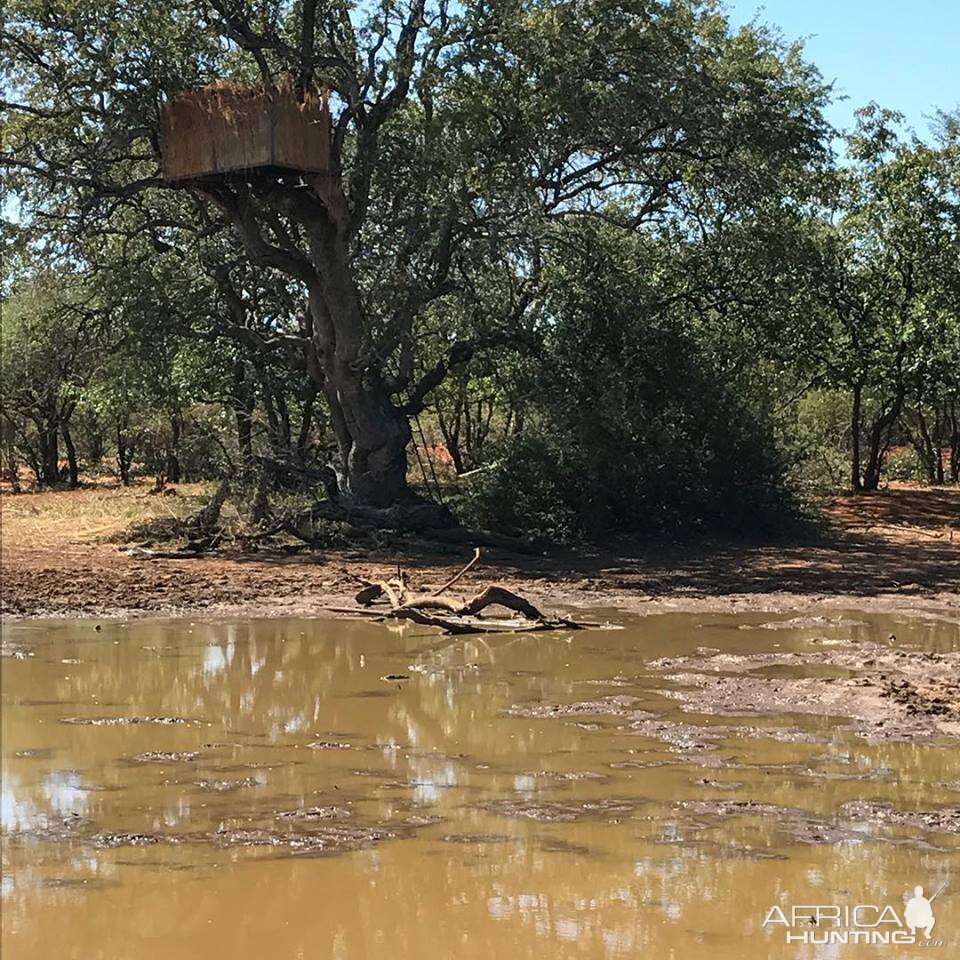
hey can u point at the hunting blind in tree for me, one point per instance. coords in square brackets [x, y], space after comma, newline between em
[231, 127]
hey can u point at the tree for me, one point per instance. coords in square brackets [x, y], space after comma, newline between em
[466, 139]
[52, 333]
[890, 259]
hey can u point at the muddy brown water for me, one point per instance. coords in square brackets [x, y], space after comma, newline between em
[255, 789]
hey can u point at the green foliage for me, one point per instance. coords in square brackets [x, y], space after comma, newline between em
[904, 464]
[603, 246]
[822, 433]
[638, 429]
[532, 490]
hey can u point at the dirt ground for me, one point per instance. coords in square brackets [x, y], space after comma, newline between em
[896, 549]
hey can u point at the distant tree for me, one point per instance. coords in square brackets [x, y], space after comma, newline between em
[890, 265]
[52, 334]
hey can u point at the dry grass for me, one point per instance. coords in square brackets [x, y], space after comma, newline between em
[89, 515]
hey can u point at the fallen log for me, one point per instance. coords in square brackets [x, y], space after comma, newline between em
[428, 521]
[458, 616]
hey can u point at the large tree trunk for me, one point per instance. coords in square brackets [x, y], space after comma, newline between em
[372, 431]
[372, 435]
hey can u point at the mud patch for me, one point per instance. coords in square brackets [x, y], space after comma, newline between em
[679, 736]
[78, 883]
[567, 777]
[782, 734]
[928, 696]
[227, 786]
[860, 700]
[159, 756]
[327, 840]
[798, 825]
[131, 721]
[110, 839]
[555, 811]
[638, 764]
[717, 784]
[422, 819]
[618, 706]
[804, 623]
[316, 813]
[480, 838]
[943, 820]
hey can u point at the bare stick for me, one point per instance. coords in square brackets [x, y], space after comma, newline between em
[454, 579]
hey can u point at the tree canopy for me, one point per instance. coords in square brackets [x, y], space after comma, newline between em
[529, 205]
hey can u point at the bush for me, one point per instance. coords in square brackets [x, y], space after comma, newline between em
[527, 492]
[904, 464]
[642, 426]
[667, 468]
[821, 434]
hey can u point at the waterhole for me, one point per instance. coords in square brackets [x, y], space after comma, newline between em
[255, 789]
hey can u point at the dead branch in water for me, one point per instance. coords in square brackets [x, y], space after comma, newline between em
[458, 616]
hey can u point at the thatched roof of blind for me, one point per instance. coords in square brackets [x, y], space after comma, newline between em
[229, 127]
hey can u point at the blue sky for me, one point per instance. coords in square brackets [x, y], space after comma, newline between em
[904, 54]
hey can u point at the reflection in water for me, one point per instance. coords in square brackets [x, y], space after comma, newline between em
[65, 793]
[447, 826]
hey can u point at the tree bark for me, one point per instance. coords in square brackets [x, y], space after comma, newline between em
[243, 404]
[72, 466]
[49, 455]
[372, 435]
[856, 482]
[372, 432]
[124, 455]
[880, 441]
[171, 467]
